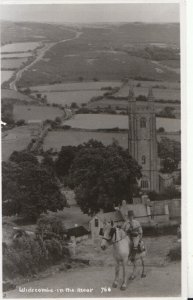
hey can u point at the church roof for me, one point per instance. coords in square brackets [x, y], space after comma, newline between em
[77, 231]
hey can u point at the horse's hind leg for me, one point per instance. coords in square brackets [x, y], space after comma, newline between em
[143, 268]
[115, 282]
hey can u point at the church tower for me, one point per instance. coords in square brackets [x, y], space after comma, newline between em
[142, 142]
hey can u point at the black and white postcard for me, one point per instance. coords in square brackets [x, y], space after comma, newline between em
[91, 139]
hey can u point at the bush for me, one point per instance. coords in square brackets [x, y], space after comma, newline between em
[27, 255]
[50, 224]
[24, 257]
[175, 253]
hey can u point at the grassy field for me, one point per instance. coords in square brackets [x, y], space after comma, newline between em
[19, 47]
[76, 86]
[6, 75]
[71, 96]
[15, 139]
[90, 65]
[155, 84]
[123, 104]
[102, 53]
[57, 139]
[12, 63]
[107, 121]
[13, 55]
[159, 93]
[12, 94]
[33, 112]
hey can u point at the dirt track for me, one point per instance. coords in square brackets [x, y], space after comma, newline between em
[163, 277]
[160, 281]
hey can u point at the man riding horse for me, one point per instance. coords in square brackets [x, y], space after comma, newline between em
[134, 230]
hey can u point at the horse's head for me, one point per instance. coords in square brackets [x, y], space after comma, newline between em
[108, 233]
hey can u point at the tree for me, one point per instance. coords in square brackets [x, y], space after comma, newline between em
[20, 122]
[58, 120]
[29, 189]
[23, 156]
[64, 160]
[169, 165]
[161, 130]
[169, 148]
[103, 176]
[167, 112]
[74, 105]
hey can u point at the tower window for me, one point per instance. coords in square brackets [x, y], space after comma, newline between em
[143, 160]
[96, 223]
[144, 184]
[143, 122]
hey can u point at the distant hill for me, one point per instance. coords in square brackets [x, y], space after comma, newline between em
[137, 32]
[168, 33]
[29, 31]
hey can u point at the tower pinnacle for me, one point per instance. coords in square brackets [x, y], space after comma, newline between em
[131, 93]
[150, 95]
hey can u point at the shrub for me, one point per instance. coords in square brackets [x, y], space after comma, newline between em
[51, 224]
[175, 253]
[29, 254]
[24, 257]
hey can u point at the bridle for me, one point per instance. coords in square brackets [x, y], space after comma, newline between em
[110, 239]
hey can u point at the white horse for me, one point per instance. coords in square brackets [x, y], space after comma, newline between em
[121, 244]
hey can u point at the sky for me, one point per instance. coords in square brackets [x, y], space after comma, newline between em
[92, 13]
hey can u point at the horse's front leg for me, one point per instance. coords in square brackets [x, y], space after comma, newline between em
[134, 270]
[115, 282]
[124, 284]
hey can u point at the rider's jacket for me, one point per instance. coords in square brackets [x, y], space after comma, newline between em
[133, 228]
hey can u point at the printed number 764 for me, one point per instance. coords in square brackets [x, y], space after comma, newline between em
[105, 289]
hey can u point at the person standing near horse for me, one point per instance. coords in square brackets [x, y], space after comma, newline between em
[134, 230]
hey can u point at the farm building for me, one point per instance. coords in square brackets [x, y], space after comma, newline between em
[97, 222]
[148, 213]
[77, 233]
[172, 207]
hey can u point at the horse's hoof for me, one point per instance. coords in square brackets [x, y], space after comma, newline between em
[123, 288]
[143, 275]
[132, 277]
[114, 285]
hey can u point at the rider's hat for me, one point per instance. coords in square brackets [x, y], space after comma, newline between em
[130, 213]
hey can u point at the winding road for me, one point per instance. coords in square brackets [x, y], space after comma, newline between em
[42, 52]
[88, 282]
